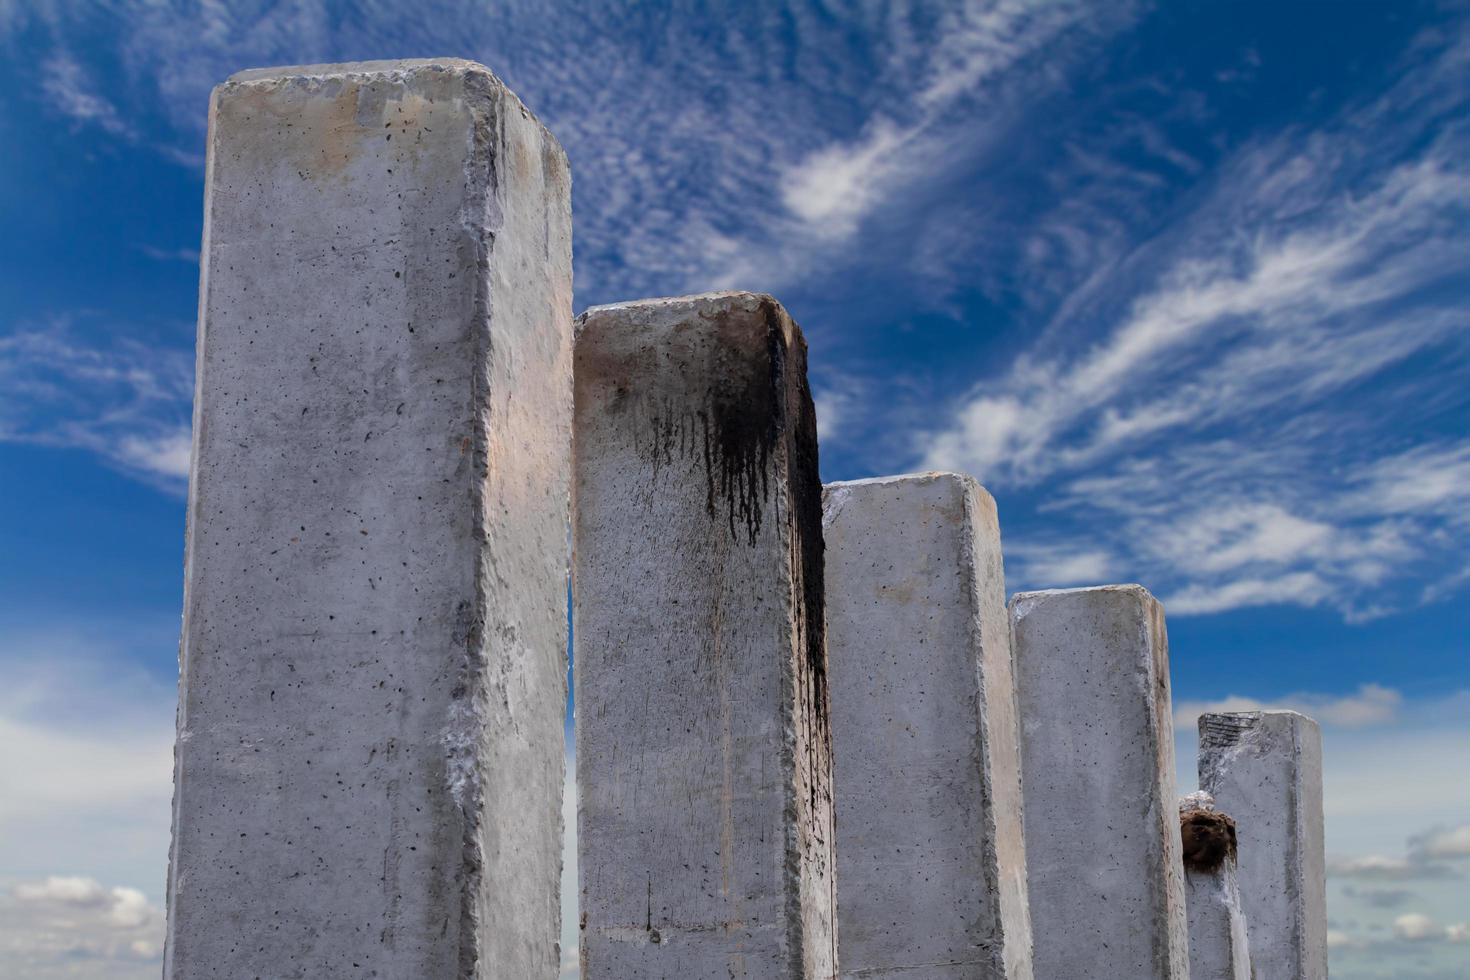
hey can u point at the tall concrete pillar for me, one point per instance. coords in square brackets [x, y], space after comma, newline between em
[1097, 768]
[1264, 768]
[931, 859]
[370, 759]
[703, 748]
[1218, 944]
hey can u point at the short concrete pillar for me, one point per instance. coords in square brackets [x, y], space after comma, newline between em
[931, 862]
[1097, 767]
[1264, 768]
[1218, 947]
[703, 748]
[370, 761]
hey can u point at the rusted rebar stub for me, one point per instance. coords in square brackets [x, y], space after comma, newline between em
[1207, 834]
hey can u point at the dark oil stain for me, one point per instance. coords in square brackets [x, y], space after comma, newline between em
[735, 437]
[804, 492]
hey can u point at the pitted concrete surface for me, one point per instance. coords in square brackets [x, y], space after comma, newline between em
[1264, 768]
[703, 751]
[1097, 767]
[369, 763]
[931, 865]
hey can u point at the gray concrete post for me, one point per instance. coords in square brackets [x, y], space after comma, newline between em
[1218, 946]
[931, 861]
[703, 749]
[1264, 768]
[369, 764]
[1097, 768]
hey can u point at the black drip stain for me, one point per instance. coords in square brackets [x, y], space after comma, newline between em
[804, 491]
[734, 436]
[1208, 837]
[740, 434]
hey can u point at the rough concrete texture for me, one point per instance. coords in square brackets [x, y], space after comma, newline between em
[1218, 946]
[1264, 768]
[703, 750]
[369, 763]
[1097, 767]
[931, 860]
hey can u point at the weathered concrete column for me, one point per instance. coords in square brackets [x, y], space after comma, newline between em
[931, 858]
[1264, 768]
[703, 750]
[369, 760]
[1097, 767]
[1218, 947]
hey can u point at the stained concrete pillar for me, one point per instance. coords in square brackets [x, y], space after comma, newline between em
[703, 748]
[931, 861]
[1264, 768]
[1097, 767]
[370, 759]
[1218, 944]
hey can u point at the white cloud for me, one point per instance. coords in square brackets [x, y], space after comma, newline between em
[189, 256]
[1053, 566]
[1377, 867]
[832, 409]
[63, 891]
[120, 907]
[1416, 928]
[85, 781]
[832, 188]
[59, 925]
[166, 454]
[69, 91]
[1278, 301]
[1217, 409]
[127, 403]
[1443, 842]
[1297, 588]
[1370, 705]
[1433, 478]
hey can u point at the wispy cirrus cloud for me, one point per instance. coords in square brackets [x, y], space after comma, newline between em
[126, 402]
[747, 166]
[830, 189]
[1231, 435]
[69, 90]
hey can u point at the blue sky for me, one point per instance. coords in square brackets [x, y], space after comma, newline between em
[1184, 284]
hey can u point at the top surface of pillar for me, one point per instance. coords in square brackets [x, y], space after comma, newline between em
[930, 846]
[705, 828]
[369, 764]
[1264, 768]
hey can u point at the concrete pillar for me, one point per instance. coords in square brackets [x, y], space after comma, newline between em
[1218, 948]
[1097, 767]
[1264, 768]
[703, 748]
[370, 759]
[931, 860]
